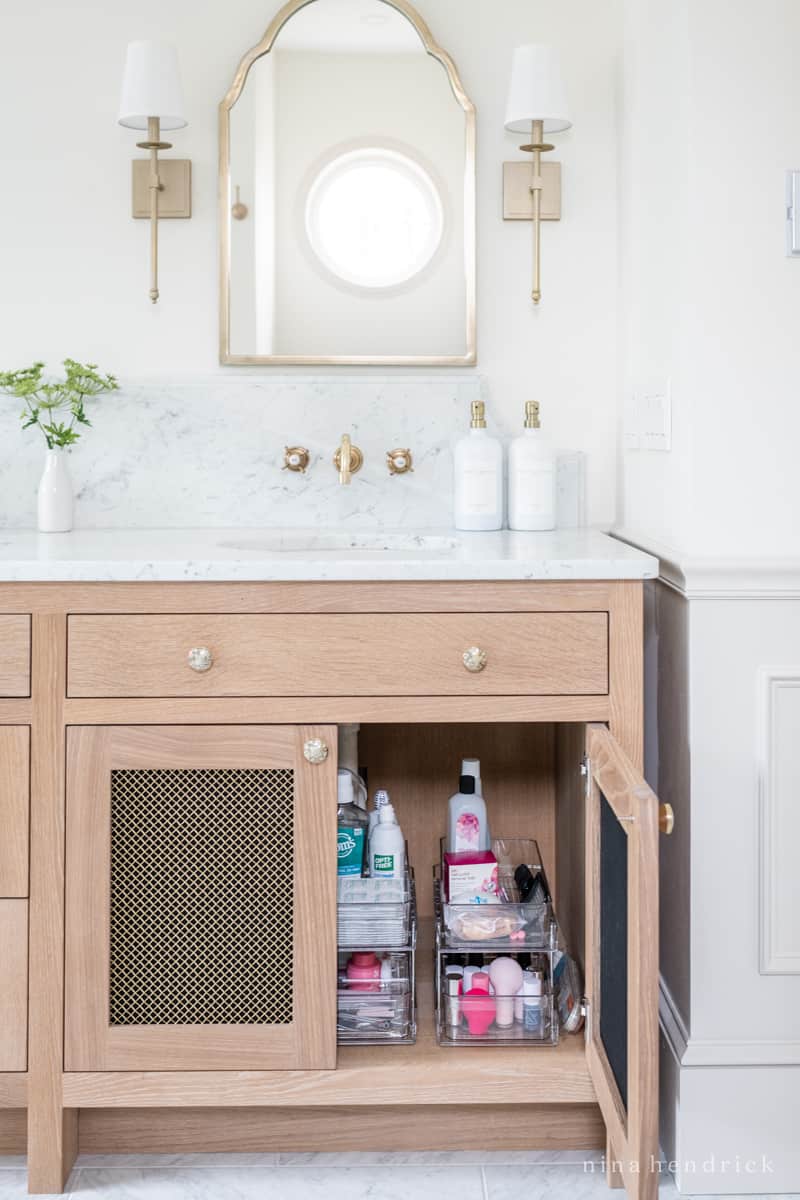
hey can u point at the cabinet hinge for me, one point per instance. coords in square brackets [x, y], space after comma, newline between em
[586, 1009]
[586, 772]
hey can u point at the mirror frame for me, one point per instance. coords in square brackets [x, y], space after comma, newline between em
[253, 360]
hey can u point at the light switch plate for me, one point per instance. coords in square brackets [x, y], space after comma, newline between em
[517, 197]
[793, 214]
[647, 423]
[175, 197]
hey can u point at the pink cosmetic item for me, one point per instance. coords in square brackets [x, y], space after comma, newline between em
[481, 982]
[364, 972]
[506, 976]
[479, 1008]
[471, 874]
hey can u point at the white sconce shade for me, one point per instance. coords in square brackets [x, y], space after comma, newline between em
[537, 91]
[151, 87]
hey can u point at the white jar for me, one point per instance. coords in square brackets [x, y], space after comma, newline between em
[478, 464]
[531, 477]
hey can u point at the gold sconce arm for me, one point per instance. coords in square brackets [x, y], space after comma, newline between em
[154, 144]
[537, 147]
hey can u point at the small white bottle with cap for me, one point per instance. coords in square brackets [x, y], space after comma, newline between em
[531, 476]
[387, 846]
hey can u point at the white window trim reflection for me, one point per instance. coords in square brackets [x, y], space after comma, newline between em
[401, 157]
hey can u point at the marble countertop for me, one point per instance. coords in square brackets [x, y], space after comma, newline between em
[238, 555]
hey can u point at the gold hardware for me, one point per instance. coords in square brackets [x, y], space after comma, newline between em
[295, 458]
[666, 819]
[315, 751]
[238, 210]
[475, 659]
[174, 195]
[517, 195]
[154, 144]
[200, 658]
[348, 459]
[532, 414]
[478, 415]
[540, 207]
[399, 461]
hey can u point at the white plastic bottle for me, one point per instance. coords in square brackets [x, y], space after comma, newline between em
[387, 847]
[467, 826]
[531, 476]
[478, 465]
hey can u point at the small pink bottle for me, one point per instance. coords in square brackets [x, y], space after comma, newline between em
[364, 972]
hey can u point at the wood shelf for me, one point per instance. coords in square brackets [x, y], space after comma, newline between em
[371, 1076]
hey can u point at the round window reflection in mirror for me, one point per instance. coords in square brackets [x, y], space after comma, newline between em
[374, 218]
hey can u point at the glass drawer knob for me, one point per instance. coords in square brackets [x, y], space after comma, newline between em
[200, 658]
[315, 750]
[475, 659]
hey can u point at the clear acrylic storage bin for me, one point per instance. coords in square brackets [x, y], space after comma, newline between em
[486, 1020]
[384, 1010]
[375, 914]
[509, 924]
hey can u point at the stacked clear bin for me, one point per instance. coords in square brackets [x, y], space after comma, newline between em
[475, 935]
[377, 1011]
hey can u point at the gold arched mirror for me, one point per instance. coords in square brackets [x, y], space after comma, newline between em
[347, 193]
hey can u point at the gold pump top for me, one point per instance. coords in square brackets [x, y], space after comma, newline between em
[532, 414]
[478, 415]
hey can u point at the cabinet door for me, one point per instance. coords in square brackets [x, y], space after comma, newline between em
[622, 957]
[200, 899]
[13, 985]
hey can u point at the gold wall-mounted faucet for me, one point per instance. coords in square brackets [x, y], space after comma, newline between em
[348, 459]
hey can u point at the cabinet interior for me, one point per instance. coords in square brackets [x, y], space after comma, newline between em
[532, 785]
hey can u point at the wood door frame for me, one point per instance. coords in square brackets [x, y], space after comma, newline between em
[632, 1131]
[309, 1042]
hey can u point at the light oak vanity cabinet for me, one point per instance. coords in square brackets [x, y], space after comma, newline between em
[182, 746]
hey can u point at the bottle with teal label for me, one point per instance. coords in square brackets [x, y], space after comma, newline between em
[352, 826]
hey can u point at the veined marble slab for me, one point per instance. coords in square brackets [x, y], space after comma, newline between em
[238, 555]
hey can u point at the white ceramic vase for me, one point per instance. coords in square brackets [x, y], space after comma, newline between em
[55, 494]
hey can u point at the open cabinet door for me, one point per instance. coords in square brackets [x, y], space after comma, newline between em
[622, 824]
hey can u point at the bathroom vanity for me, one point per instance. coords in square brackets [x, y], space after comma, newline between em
[128, 660]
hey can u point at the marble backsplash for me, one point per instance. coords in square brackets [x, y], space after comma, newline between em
[209, 452]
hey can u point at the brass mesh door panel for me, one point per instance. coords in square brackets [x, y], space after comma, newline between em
[201, 918]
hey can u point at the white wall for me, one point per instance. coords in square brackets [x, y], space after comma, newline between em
[74, 264]
[710, 124]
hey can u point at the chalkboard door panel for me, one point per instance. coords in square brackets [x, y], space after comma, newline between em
[622, 958]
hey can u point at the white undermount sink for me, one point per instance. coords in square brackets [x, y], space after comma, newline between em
[323, 542]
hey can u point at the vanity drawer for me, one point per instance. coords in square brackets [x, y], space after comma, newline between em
[371, 654]
[15, 655]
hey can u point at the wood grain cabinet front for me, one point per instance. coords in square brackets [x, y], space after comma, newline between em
[13, 985]
[370, 654]
[14, 809]
[200, 899]
[15, 655]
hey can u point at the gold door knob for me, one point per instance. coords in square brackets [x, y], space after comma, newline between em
[315, 750]
[200, 658]
[666, 819]
[475, 659]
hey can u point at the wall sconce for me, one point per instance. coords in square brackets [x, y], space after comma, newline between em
[536, 105]
[152, 99]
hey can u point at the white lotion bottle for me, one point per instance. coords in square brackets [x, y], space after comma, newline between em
[467, 826]
[531, 476]
[478, 465]
[387, 846]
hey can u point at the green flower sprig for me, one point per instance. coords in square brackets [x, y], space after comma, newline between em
[56, 408]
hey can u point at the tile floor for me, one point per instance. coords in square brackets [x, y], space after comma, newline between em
[534, 1175]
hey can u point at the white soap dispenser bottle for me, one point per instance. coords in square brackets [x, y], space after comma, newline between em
[531, 476]
[478, 463]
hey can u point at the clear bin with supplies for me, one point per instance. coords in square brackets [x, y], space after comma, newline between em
[518, 917]
[375, 914]
[370, 1011]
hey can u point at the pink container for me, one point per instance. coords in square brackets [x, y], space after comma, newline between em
[364, 972]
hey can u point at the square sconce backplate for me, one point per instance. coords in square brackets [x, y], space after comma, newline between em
[517, 197]
[175, 197]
